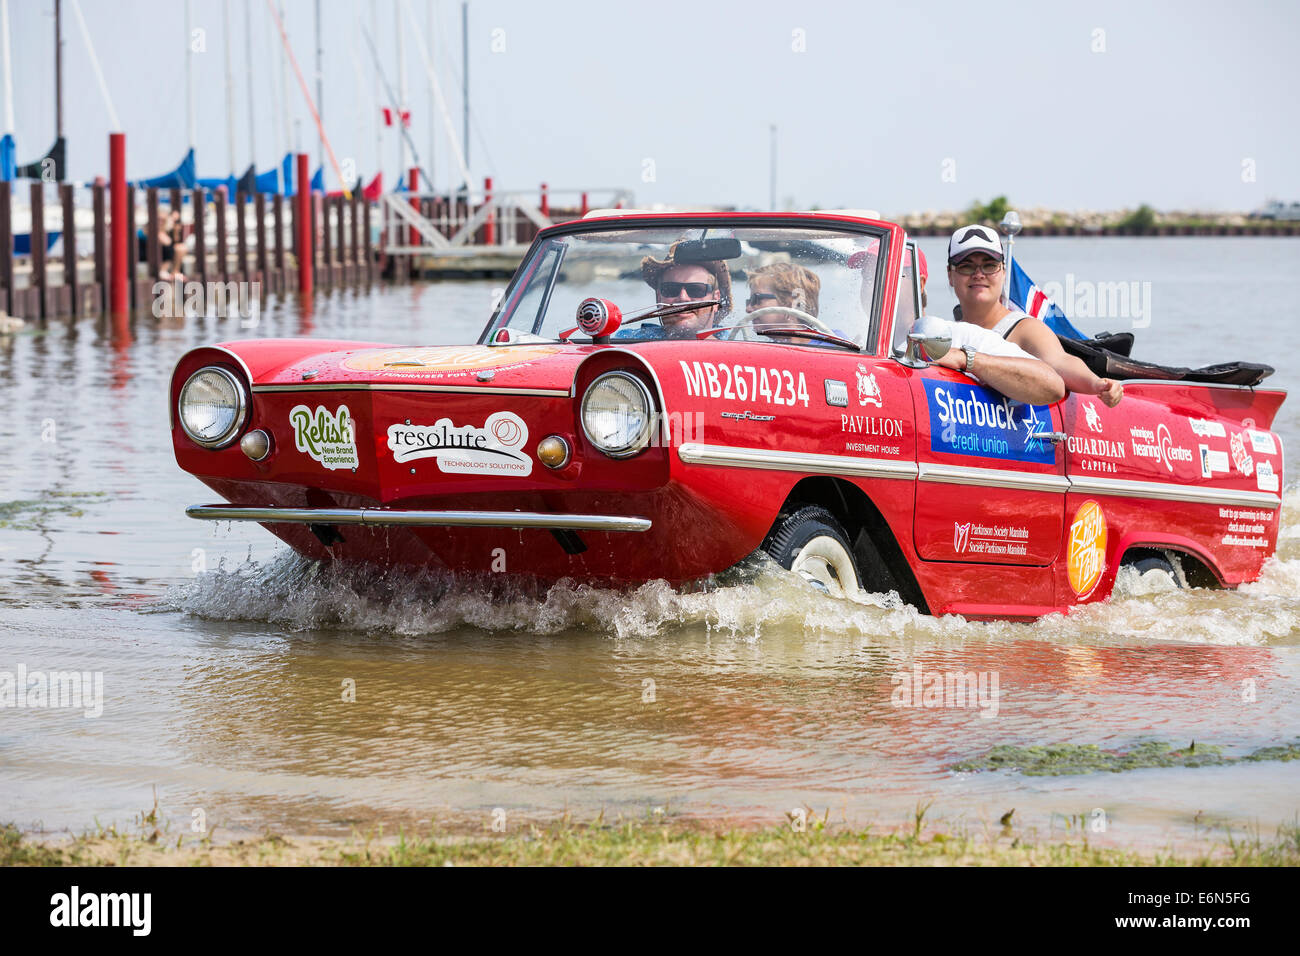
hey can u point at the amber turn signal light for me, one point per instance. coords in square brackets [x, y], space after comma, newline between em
[553, 451]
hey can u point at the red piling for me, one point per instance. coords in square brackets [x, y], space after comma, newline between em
[546, 201]
[117, 187]
[490, 226]
[585, 207]
[305, 257]
[413, 184]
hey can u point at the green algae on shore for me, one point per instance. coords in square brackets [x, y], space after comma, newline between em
[1062, 759]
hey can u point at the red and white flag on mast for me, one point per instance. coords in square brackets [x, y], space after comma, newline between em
[390, 115]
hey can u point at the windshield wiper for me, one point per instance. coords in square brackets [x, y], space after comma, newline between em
[803, 332]
[672, 309]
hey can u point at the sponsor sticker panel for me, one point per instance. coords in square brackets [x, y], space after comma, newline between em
[971, 420]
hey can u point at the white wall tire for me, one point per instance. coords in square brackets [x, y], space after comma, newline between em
[813, 545]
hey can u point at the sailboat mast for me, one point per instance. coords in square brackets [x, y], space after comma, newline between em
[320, 89]
[230, 86]
[402, 93]
[189, 72]
[433, 103]
[58, 71]
[9, 73]
[464, 63]
[248, 56]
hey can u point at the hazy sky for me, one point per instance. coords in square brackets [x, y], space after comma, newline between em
[898, 107]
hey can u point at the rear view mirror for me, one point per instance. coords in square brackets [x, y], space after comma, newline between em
[706, 250]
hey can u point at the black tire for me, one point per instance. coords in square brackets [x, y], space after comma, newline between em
[812, 543]
[1153, 561]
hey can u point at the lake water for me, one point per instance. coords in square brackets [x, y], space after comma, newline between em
[224, 656]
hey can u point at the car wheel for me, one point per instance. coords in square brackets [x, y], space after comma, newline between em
[1154, 561]
[812, 544]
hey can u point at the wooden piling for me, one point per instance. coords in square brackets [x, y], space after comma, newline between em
[99, 246]
[340, 267]
[241, 240]
[154, 253]
[74, 307]
[223, 265]
[7, 251]
[198, 199]
[259, 211]
[366, 243]
[281, 276]
[326, 259]
[38, 246]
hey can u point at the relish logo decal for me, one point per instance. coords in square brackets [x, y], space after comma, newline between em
[868, 389]
[969, 419]
[1240, 457]
[494, 449]
[329, 438]
[1087, 554]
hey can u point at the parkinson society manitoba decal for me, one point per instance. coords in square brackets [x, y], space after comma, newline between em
[329, 438]
[971, 420]
[1087, 554]
[494, 449]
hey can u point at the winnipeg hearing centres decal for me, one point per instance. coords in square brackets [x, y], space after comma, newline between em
[329, 438]
[970, 420]
[1087, 554]
[494, 449]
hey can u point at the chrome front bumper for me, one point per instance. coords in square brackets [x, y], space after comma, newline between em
[378, 517]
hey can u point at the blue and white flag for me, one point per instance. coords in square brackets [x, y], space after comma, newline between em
[1031, 300]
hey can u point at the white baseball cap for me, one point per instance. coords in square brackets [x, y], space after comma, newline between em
[971, 239]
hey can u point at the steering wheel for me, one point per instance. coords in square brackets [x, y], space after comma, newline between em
[802, 317]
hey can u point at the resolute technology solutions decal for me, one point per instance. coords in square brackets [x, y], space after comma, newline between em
[494, 449]
[967, 419]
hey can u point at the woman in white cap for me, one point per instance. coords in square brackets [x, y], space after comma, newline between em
[975, 274]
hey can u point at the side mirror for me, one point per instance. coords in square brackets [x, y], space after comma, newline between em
[929, 341]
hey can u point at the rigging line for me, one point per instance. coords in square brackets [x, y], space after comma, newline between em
[320, 127]
[94, 64]
[397, 110]
[475, 126]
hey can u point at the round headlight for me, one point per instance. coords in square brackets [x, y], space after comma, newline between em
[212, 407]
[616, 414]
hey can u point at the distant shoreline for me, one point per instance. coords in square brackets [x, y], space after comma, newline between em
[1216, 229]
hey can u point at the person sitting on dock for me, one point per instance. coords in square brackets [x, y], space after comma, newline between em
[675, 281]
[171, 243]
[975, 274]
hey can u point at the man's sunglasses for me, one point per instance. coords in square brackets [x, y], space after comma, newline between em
[970, 268]
[696, 290]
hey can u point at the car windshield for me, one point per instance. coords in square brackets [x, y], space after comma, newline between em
[806, 285]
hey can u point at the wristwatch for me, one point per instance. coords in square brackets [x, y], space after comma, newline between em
[970, 358]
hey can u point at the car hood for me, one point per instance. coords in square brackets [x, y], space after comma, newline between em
[284, 362]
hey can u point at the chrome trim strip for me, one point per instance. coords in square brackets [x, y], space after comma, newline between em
[1163, 492]
[376, 387]
[728, 456]
[993, 478]
[379, 517]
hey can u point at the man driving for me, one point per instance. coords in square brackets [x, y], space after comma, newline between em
[676, 281]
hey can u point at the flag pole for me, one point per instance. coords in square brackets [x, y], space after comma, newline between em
[1009, 227]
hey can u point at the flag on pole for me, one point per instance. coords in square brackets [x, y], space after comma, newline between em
[390, 116]
[1031, 300]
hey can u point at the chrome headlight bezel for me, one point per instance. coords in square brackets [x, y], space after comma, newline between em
[241, 408]
[635, 443]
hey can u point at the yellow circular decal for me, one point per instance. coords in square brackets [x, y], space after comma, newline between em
[1087, 556]
[445, 358]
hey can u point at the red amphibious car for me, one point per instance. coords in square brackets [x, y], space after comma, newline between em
[624, 418]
